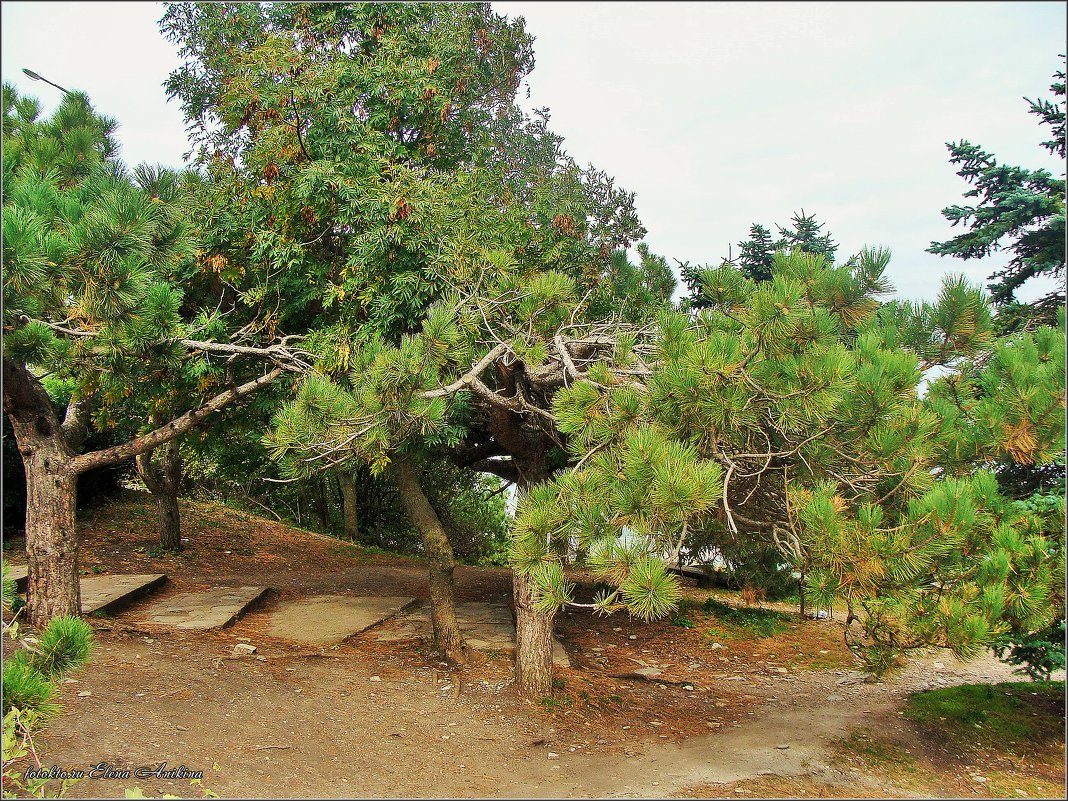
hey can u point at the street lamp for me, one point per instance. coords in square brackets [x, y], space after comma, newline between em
[33, 76]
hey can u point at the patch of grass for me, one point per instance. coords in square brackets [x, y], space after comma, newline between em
[742, 622]
[554, 702]
[890, 761]
[1014, 717]
[681, 620]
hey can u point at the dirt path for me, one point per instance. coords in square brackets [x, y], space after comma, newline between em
[385, 719]
[318, 724]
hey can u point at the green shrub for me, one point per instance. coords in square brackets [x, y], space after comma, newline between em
[26, 688]
[65, 645]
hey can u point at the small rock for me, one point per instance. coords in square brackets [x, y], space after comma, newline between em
[714, 646]
[655, 723]
[980, 779]
[553, 755]
[632, 637]
[84, 694]
[742, 791]
[648, 672]
[764, 773]
[376, 678]
[181, 728]
[824, 651]
[70, 681]
[783, 746]
[939, 666]
[617, 628]
[835, 697]
[688, 688]
[261, 658]
[243, 648]
[781, 670]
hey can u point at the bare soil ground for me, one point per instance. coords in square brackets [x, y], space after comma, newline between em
[783, 716]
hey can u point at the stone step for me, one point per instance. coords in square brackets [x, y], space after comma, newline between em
[107, 593]
[330, 619]
[485, 627]
[112, 593]
[204, 609]
[21, 575]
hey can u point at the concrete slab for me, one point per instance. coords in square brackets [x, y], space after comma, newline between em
[112, 593]
[208, 609]
[485, 626]
[108, 593]
[21, 575]
[330, 619]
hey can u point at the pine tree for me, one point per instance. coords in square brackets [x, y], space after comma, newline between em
[83, 251]
[786, 413]
[1018, 210]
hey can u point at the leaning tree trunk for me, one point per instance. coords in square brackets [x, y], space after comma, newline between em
[161, 470]
[439, 553]
[349, 509]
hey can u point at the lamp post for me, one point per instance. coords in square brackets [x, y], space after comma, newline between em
[33, 76]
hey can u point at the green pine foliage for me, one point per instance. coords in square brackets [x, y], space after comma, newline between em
[87, 247]
[27, 688]
[65, 645]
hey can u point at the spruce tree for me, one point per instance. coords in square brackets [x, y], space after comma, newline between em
[1019, 211]
[757, 253]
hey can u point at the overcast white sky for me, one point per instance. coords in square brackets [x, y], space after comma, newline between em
[717, 114]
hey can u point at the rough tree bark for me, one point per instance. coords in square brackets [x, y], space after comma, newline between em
[349, 509]
[439, 554]
[52, 468]
[533, 629]
[161, 470]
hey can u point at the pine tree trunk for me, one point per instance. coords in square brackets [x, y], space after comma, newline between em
[170, 522]
[52, 468]
[161, 470]
[350, 511]
[533, 641]
[322, 505]
[51, 538]
[51, 494]
[440, 556]
[533, 629]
